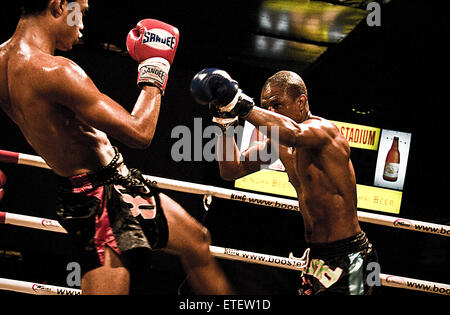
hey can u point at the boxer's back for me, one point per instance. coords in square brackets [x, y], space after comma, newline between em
[26, 76]
[4, 93]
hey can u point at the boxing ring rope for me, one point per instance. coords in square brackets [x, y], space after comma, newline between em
[291, 262]
[288, 204]
[35, 288]
[22, 159]
[251, 198]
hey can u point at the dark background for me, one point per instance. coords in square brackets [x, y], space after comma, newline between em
[396, 73]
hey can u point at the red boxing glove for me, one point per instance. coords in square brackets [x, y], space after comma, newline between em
[2, 183]
[153, 44]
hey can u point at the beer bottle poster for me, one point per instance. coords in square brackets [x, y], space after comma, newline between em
[392, 159]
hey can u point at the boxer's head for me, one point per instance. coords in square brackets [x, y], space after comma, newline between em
[285, 93]
[63, 18]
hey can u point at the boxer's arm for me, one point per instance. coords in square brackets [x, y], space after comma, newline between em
[310, 133]
[234, 164]
[215, 88]
[69, 86]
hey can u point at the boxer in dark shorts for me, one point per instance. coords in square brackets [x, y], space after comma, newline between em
[113, 206]
[339, 268]
[315, 154]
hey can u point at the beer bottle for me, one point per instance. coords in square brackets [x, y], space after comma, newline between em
[392, 165]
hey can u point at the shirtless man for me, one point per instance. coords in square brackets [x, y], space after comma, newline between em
[317, 160]
[110, 210]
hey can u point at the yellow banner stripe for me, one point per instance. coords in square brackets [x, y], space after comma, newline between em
[379, 199]
[268, 181]
[275, 182]
[359, 136]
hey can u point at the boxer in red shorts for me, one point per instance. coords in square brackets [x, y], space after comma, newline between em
[109, 209]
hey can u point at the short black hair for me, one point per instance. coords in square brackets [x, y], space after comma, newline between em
[31, 7]
[289, 82]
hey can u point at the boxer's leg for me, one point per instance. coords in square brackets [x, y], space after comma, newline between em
[190, 240]
[113, 278]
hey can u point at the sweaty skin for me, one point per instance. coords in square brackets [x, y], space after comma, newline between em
[65, 118]
[317, 160]
[59, 109]
[61, 112]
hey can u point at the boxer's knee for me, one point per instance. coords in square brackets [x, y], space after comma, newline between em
[187, 237]
[206, 236]
[197, 251]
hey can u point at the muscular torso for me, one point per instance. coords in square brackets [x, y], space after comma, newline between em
[325, 183]
[66, 144]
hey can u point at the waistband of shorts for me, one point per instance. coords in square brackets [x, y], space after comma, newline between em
[100, 177]
[346, 246]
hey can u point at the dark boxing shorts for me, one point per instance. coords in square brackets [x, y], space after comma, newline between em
[114, 207]
[339, 268]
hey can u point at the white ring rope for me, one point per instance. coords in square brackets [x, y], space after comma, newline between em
[256, 199]
[290, 262]
[386, 280]
[35, 288]
[220, 252]
[288, 204]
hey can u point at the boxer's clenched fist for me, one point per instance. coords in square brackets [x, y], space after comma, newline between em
[214, 87]
[153, 44]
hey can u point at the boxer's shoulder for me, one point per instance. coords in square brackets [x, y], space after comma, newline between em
[57, 74]
[36, 68]
[320, 123]
[64, 71]
[44, 77]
